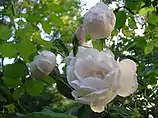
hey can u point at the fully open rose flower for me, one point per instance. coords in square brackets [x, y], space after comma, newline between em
[43, 64]
[97, 78]
[99, 21]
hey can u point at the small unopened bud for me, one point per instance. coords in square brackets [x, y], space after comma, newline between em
[43, 64]
[80, 34]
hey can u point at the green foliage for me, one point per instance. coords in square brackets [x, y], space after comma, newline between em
[99, 44]
[120, 23]
[5, 32]
[34, 87]
[16, 70]
[46, 115]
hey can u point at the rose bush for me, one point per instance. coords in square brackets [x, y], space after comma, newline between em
[97, 78]
[43, 64]
[99, 21]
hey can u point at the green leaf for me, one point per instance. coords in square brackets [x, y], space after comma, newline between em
[51, 113]
[98, 44]
[120, 19]
[5, 32]
[25, 33]
[140, 42]
[46, 115]
[8, 50]
[6, 115]
[34, 87]
[33, 18]
[148, 49]
[143, 11]
[6, 92]
[56, 20]
[48, 79]
[26, 48]
[126, 31]
[84, 112]
[18, 93]
[2, 99]
[11, 82]
[133, 4]
[47, 27]
[155, 42]
[122, 111]
[132, 23]
[56, 8]
[153, 19]
[16, 70]
[36, 38]
[11, 108]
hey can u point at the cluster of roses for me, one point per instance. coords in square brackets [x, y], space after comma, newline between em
[96, 77]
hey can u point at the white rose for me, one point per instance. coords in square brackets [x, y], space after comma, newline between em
[43, 64]
[99, 21]
[96, 77]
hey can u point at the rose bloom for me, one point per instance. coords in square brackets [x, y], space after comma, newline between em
[99, 21]
[97, 78]
[43, 64]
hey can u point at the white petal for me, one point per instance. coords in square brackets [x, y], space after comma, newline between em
[71, 76]
[90, 67]
[43, 64]
[35, 72]
[102, 6]
[128, 80]
[49, 56]
[98, 105]
[81, 96]
[109, 52]
[93, 82]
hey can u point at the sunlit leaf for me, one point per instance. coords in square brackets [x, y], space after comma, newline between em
[34, 87]
[98, 44]
[5, 32]
[11, 82]
[16, 70]
[26, 48]
[148, 49]
[8, 50]
[33, 18]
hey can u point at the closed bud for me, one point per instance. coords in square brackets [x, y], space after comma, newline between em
[80, 34]
[43, 64]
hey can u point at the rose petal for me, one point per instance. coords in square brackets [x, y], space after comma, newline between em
[43, 64]
[98, 105]
[35, 71]
[128, 80]
[90, 67]
[71, 76]
[49, 56]
[88, 97]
